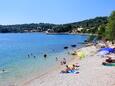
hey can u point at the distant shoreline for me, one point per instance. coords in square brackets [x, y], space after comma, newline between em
[65, 33]
[70, 34]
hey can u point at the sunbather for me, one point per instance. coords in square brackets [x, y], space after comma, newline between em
[67, 70]
[72, 69]
[110, 60]
[75, 67]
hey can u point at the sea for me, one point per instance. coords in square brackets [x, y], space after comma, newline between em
[22, 54]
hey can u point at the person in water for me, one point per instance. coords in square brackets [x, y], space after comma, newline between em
[34, 56]
[68, 53]
[53, 50]
[64, 60]
[31, 54]
[3, 70]
[56, 59]
[28, 56]
[45, 56]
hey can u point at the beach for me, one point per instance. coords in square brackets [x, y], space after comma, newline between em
[26, 62]
[92, 73]
[23, 71]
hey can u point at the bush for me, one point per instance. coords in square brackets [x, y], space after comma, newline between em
[91, 38]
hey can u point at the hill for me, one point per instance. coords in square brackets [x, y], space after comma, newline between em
[90, 25]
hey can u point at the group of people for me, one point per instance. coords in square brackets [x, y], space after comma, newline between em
[107, 50]
[63, 62]
[31, 55]
[71, 69]
[109, 62]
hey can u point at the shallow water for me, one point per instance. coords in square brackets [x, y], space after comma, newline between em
[15, 48]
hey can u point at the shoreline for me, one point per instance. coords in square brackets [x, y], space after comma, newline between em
[59, 67]
[19, 72]
[66, 33]
[39, 74]
[92, 73]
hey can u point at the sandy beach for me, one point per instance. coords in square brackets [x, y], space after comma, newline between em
[92, 73]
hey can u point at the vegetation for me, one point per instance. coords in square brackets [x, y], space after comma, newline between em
[89, 26]
[103, 26]
[91, 38]
[107, 31]
[111, 26]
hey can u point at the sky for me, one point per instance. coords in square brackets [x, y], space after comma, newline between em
[52, 11]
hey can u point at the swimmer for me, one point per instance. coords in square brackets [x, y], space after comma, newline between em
[64, 60]
[53, 50]
[56, 59]
[34, 56]
[31, 54]
[45, 55]
[68, 53]
[3, 70]
[28, 56]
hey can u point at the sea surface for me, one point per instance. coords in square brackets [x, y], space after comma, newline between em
[22, 54]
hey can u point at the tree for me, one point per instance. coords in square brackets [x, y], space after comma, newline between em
[111, 26]
[40, 27]
[101, 30]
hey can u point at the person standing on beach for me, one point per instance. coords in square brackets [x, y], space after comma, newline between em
[64, 60]
[61, 63]
[56, 59]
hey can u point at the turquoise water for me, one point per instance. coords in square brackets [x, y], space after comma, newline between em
[15, 47]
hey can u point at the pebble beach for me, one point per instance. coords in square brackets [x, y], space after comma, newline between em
[91, 73]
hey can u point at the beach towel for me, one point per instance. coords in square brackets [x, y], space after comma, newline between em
[73, 71]
[109, 64]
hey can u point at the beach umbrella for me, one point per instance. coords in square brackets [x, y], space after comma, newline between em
[112, 50]
[102, 53]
